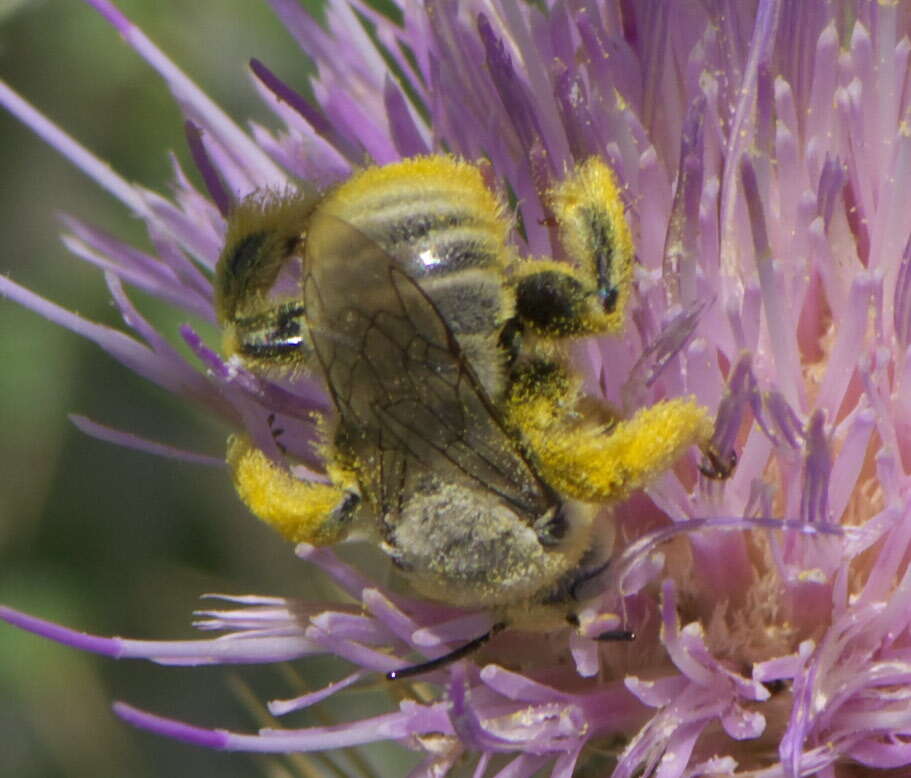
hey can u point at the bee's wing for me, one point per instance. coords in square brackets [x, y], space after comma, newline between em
[406, 395]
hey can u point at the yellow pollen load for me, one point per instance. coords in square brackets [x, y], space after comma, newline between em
[594, 463]
[299, 510]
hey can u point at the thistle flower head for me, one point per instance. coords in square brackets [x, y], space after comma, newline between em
[764, 154]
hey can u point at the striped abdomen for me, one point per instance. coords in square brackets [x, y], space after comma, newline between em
[446, 230]
[443, 226]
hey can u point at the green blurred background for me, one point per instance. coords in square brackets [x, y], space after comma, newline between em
[98, 538]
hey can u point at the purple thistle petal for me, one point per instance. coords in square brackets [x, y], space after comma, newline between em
[93, 644]
[524, 766]
[222, 650]
[646, 753]
[350, 581]
[283, 707]
[359, 655]
[565, 766]
[585, 655]
[656, 693]
[259, 617]
[201, 110]
[408, 139]
[578, 123]
[671, 637]
[783, 420]
[527, 25]
[679, 749]
[518, 687]
[814, 506]
[889, 559]
[883, 755]
[89, 164]
[459, 629]
[680, 244]
[554, 34]
[386, 611]
[657, 355]
[825, 81]
[901, 309]
[538, 730]
[849, 345]
[512, 92]
[739, 393]
[764, 29]
[747, 326]
[831, 182]
[351, 626]
[306, 30]
[780, 322]
[483, 763]
[136, 268]
[784, 667]
[392, 726]
[390, 35]
[847, 467]
[220, 196]
[187, 272]
[133, 441]
[256, 401]
[199, 240]
[765, 110]
[353, 118]
[347, 146]
[157, 368]
[197, 736]
[133, 319]
[624, 571]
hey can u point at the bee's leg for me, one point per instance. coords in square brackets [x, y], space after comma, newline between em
[595, 462]
[453, 656]
[274, 337]
[589, 297]
[302, 511]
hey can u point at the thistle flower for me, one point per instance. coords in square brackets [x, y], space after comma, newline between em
[764, 154]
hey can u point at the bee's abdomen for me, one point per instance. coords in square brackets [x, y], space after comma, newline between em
[432, 237]
[443, 226]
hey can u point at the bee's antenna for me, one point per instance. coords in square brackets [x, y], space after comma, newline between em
[453, 656]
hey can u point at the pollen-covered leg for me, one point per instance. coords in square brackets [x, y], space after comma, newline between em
[559, 300]
[301, 511]
[595, 462]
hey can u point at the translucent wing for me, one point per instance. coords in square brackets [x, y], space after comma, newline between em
[409, 402]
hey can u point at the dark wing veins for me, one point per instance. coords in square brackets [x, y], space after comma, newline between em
[399, 379]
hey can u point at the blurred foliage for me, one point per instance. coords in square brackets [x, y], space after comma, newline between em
[95, 537]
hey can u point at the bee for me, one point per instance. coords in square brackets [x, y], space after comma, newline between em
[461, 441]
